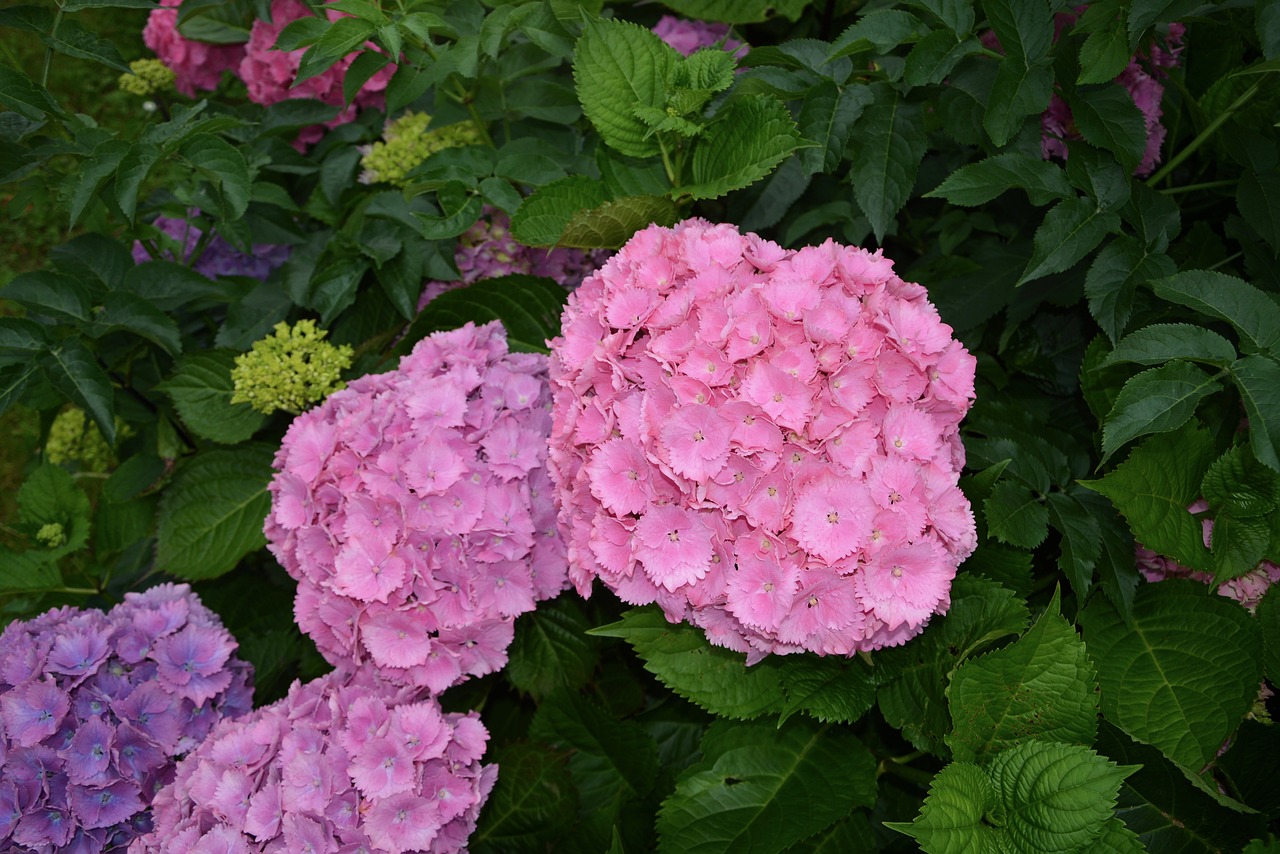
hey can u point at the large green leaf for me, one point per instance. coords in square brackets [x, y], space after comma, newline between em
[27, 573]
[1237, 485]
[888, 143]
[829, 688]
[211, 514]
[1269, 619]
[24, 97]
[611, 758]
[1024, 27]
[1258, 198]
[542, 219]
[73, 39]
[124, 312]
[74, 372]
[759, 789]
[1154, 486]
[712, 677]
[528, 307]
[750, 136]
[979, 183]
[54, 295]
[1015, 515]
[49, 496]
[1161, 342]
[225, 168]
[1081, 539]
[1019, 90]
[1182, 674]
[551, 649]
[1254, 315]
[737, 11]
[201, 390]
[1258, 380]
[613, 223]
[827, 116]
[1156, 401]
[533, 803]
[1071, 230]
[1113, 279]
[1042, 686]
[1108, 118]
[881, 30]
[617, 65]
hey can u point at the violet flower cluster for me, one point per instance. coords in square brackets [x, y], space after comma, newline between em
[763, 441]
[95, 708]
[688, 36]
[219, 258]
[415, 511]
[1247, 589]
[347, 762]
[487, 250]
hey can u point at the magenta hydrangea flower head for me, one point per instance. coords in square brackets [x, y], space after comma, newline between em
[218, 257]
[415, 510]
[96, 708]
[348, 762]
[763, 441]
[688, 36]
[487, 250]
[269, 74]
[196, 65]
[1247, 589]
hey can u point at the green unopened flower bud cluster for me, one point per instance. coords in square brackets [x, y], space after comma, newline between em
[407, 142]
[290, 370]
[149, 76]
[51, 535]
[73, 438]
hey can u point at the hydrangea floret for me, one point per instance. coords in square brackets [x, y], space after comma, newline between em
[197, 66]
[763, 441]
[346, 763]
[73, 438]
[488, 250]
[218, 257]
[290, 370]
[407, 142]
[688, 37]
[415, 511]
[96, 708]
[148, 76]
[1247, 589]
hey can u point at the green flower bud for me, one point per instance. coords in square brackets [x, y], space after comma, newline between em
[407, 142]
[149, 76]
[73, 438]
[290, 370]
[51, 535]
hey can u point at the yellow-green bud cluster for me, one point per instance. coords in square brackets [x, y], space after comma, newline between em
[149, 76]
[51, 535]
[289, 370]
[73, 438]
[407, 142]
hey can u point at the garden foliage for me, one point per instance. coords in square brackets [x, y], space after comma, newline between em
[250, 320]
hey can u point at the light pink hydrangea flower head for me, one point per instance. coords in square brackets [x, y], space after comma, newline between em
[1247, 589]
[763, 441]
[196, 65]
[688, 37]
[348, 762]
[415, 510]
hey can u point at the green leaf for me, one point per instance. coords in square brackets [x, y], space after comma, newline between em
[124, 312]
[1237, 545]
[1104, 54]
[74, 372]
[54, 295]
[828, 688]
[613, 223]
[20, 336]
[1113, 279]
[1036, 796]
[737, 11]
[215, 21]
[881, 30]
[979, 183]
[1071, 230]
[24, 97]
[1162, 342]
[759, 789]
[1042, 686]
[1024, 27]
[1117, 572]
[1155, 401]
[1269, 620]
[1081, 540]
[134, 168]
[1144, 13]
[935, 56]
[529, 308]
[913, 678]
[1154, 486]
[617, 65]
[1254, 315]
[611, 758]
[1182, 674]
[1258, 380]
[1019, 91]
[460, 208]
[827, 115]
[1237, 485]
[219, 162]
[169, 286]
[544, 216]
[72, 39]
[955, 14]
[1016, 516]
[77, 5]
[1115, 839]
[211, 514]
[1108, 118]
[551, 650]
[749, 137]
[27, 572]
[49, 495]
[93, 174]
[1258, 198]
[887, 144]
[712, 677]
[533, 803]
[201, 390]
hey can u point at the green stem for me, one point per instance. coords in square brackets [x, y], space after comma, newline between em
[666, 163]
[479, 123]
[906, 772]
[48, 51]
[1226, 261]
[1205, 134]
[991, 53]
[1207, 185]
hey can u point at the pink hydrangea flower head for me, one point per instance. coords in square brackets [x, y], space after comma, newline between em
[688, 36]
[413, 508]
[347, 762]
[196, 65]
[762, 441]
[95, 709]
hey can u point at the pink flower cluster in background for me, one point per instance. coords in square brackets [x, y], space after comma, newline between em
[1248, 589]
[689, 36]
[95, 709]
[487, 250]
[415, 511]
[763, 441]
[347, 762]
[197, 66]
[219, 258]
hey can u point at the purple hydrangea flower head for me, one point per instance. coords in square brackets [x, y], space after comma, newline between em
[91, 725]
[690, 36]
[219, 258]
[414, 509]
[348, 762]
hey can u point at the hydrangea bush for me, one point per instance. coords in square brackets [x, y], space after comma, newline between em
[869, 355]
[98, 707]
